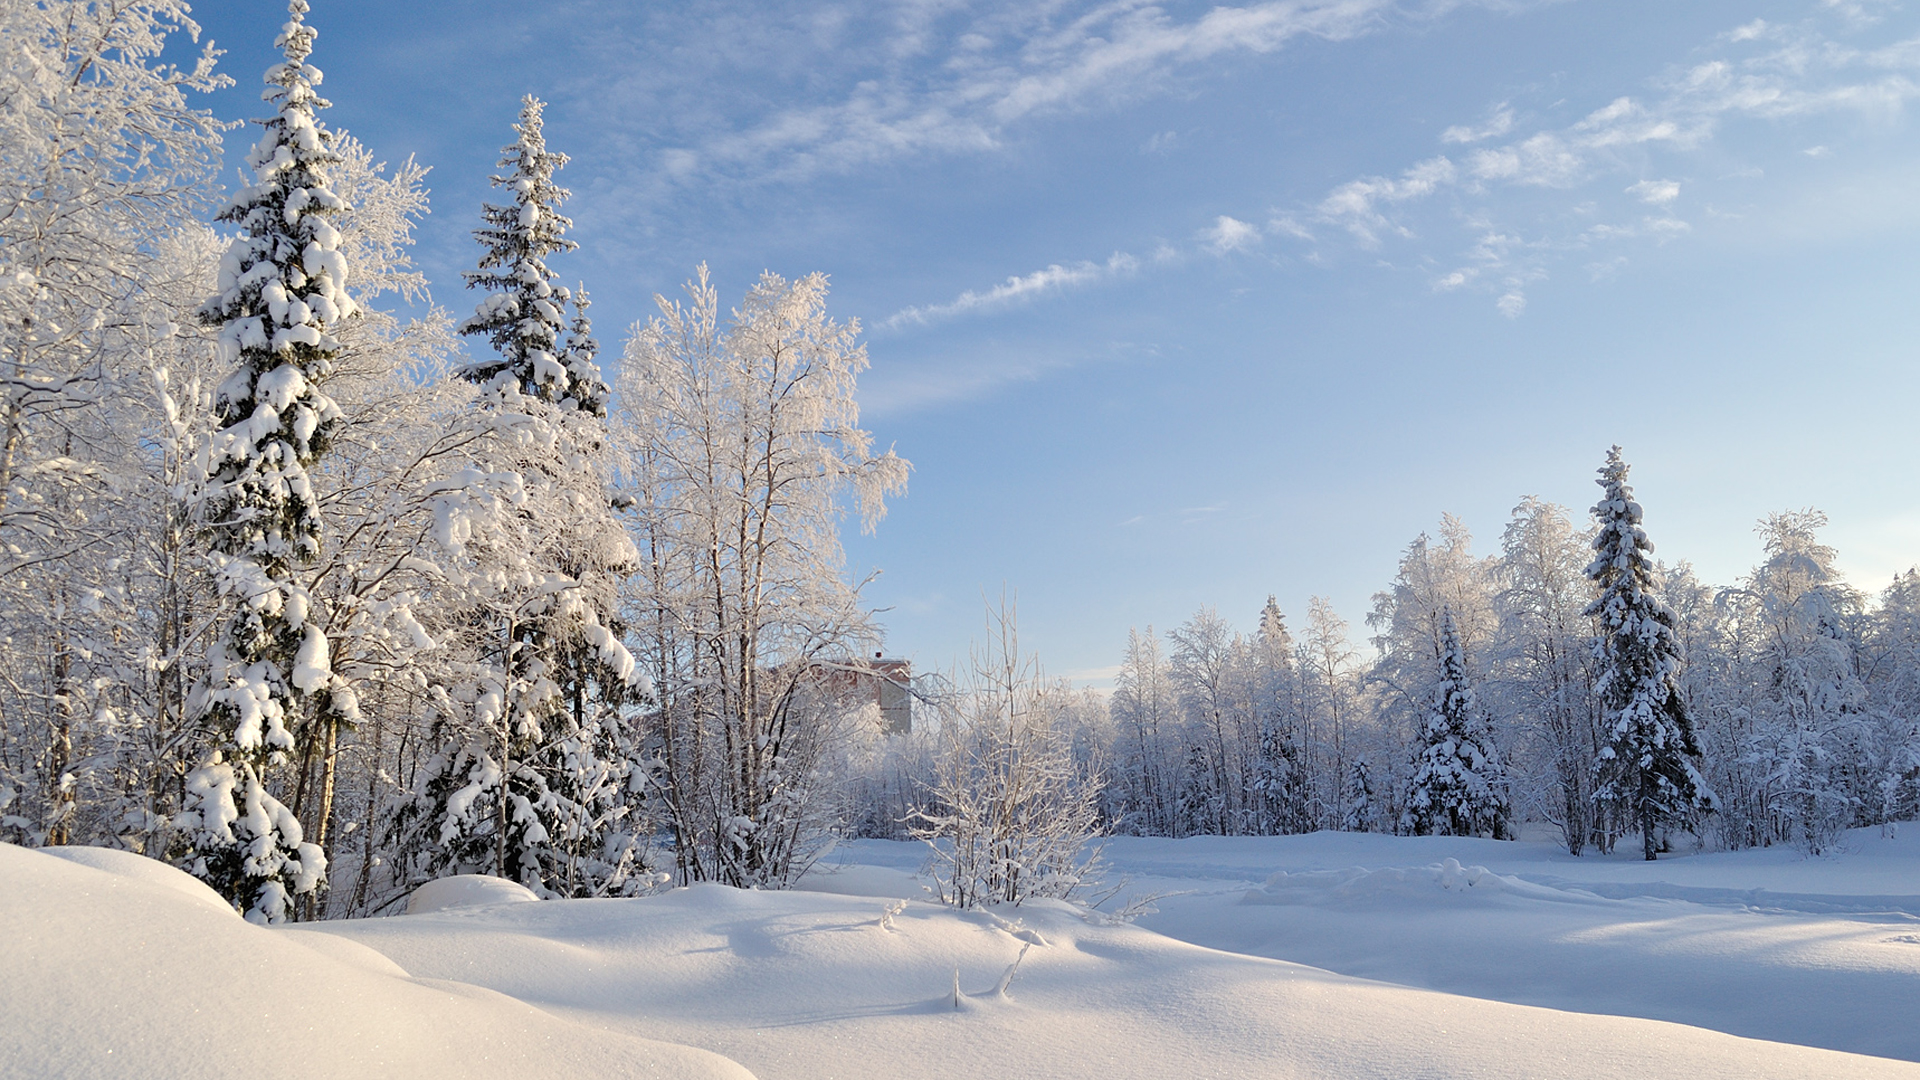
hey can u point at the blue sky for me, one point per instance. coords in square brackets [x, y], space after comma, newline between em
[1178, 304]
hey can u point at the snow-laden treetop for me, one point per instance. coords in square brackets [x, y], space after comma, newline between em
[523, 314]
[282, 291]
[1623, 561]
[282, 285]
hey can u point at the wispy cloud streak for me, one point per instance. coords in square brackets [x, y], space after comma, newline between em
[888, 81]
[1768, 72]
[1016, 290]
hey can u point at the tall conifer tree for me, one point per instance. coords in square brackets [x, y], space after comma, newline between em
[1647, 774]
[524, 313]
[282, 291]
[536, 787]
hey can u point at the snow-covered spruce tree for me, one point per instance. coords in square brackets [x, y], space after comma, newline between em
[1281, 786]
[1647, 772]
[1896, 693]
[1459, 785]
[524, 313]
[530, 781]
[282, 290]
[580, 355]
[1359, 798]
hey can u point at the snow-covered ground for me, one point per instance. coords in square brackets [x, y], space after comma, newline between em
[1769, 944]
[119, 967]
[1766, 944]
[113, 965]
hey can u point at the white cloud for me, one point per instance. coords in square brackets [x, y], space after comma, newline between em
[895, 392]
[1288, 225]
[1544, 160]
[1857, 12]
[1601, 271]
[1355, 204]
[1016, 289]
[889, 81]
[1230, 234]
[1655, 192]
[1766, 72]
[1500, 123]
[1666, 228]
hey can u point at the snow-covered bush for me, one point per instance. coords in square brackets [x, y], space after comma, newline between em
[1011, 815]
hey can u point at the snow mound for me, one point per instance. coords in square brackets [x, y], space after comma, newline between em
[467, 891]
[1358, 884]
[147, 871]
[116, 970]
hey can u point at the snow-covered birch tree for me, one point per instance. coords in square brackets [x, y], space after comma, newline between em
[742, 441]
[103, 175]
[1144, 712]
[1544, 665]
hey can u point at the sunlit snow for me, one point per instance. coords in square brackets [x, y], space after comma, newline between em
[1430, 957]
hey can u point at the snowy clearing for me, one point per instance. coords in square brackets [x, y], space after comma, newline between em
[1766, 943]
[843, 981]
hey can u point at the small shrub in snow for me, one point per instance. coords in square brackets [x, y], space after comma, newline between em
[1011, 815]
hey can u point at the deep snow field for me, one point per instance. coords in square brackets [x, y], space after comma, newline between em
[1430, 957]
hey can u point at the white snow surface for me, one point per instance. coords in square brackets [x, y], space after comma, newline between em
[1768, 944]
[465, 891]
[845, 980]
[113, 965]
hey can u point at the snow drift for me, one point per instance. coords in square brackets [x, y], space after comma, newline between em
[118, 966]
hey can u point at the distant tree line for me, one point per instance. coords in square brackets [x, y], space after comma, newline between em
[1568, 679]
